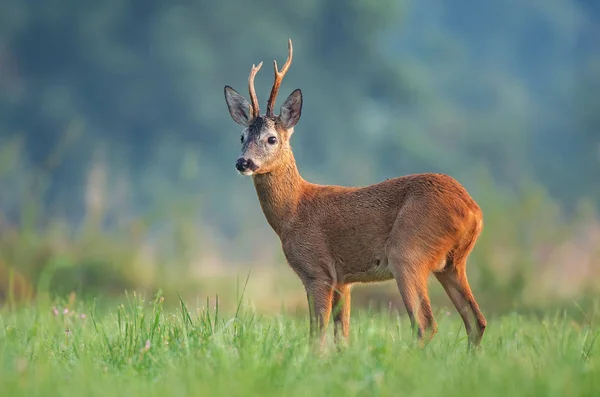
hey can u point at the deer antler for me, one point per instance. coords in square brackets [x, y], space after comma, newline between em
[278, 77]
[252, 91]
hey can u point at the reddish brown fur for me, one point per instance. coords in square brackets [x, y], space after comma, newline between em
[403, 228]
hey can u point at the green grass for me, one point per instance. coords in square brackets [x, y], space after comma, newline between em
[142, 349]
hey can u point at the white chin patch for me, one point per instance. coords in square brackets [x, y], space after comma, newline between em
[246, 173]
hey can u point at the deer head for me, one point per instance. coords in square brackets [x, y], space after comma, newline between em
[265, 138]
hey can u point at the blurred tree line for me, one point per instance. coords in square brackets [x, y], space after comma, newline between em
[117, 150]
[119, 104]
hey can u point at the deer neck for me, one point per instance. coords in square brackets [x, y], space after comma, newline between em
[279, 193]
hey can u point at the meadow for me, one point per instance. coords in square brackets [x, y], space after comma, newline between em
[117, 175]
[68, 329]
[151, 347]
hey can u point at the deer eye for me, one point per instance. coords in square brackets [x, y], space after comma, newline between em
[242, 138]
[272, 140]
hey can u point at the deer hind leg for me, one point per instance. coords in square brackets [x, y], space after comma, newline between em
[412, 283]
[341, 313]
[454, 280]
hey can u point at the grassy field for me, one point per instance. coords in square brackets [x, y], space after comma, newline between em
[141, 348]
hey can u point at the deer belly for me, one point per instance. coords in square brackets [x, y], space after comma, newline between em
[378, 271]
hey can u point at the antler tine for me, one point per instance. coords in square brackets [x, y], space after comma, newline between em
[278, 78]
[252, 91]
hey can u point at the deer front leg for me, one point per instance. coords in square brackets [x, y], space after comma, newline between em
[320, 296]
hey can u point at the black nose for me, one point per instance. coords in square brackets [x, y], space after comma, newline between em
[243, 164]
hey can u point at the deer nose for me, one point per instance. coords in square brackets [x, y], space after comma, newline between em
[243, 164]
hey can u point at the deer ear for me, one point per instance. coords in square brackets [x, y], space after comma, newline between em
[239, 108]
[291, 109]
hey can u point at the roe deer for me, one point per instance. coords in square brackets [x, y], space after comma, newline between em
[333, 236]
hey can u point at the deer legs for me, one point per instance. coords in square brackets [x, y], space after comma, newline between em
[454, 281]
[413, 288]
[320, 299]
[323, 300]
[341, 313]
